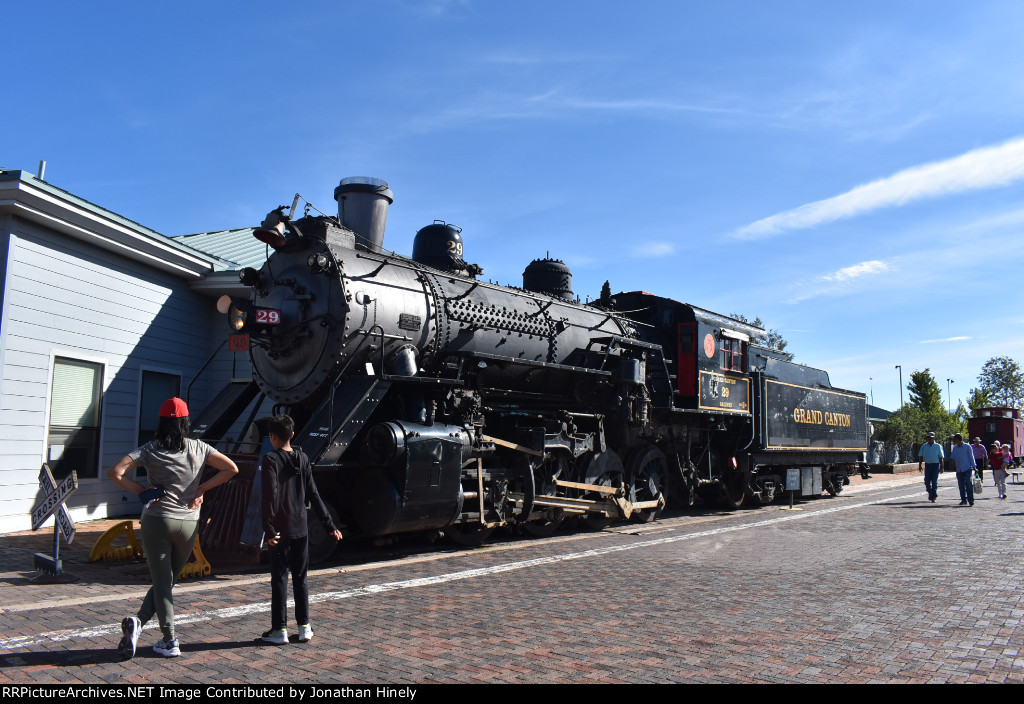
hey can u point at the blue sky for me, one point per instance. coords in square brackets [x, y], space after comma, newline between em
[852, 173]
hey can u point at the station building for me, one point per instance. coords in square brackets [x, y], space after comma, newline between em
[101, 320]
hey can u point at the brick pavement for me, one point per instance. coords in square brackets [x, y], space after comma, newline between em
[875, 586]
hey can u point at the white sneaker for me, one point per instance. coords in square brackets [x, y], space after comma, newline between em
[277, 636]
[305, 634]
[130, 627]
[167, 647]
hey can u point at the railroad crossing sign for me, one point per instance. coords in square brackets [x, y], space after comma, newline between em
[52, 504]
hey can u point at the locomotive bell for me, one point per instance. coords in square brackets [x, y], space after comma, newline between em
[272, 229]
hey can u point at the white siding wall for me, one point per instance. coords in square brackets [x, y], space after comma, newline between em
[65, 298]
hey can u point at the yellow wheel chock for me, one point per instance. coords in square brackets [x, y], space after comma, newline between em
[105, 551]
[199, 567]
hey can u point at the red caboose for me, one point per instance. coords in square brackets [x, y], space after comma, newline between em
[998, 424]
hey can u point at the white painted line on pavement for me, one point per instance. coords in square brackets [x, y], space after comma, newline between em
[264, 606]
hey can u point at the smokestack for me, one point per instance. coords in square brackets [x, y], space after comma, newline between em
[363, 208]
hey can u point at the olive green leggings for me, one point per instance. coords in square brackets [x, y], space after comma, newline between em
[168, 543]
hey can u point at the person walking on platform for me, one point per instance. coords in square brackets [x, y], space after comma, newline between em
[170, 519]
[929, 459]
[963, 456]
[980, 456]
[997, 461]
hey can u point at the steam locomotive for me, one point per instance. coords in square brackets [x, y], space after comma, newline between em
[430, 399]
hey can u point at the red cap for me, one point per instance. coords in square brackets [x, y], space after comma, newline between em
[173, 408]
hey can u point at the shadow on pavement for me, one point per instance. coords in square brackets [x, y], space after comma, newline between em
[98, 656]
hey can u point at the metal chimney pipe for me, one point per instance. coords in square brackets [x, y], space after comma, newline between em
[363, 208]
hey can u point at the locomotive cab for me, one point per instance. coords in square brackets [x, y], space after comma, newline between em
[711, 351]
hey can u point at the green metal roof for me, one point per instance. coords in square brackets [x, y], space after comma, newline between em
[235, 249]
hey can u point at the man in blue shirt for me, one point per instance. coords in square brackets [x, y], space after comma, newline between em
[929, 458]
[963, 456]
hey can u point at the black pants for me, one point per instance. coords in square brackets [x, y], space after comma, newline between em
[291, 554]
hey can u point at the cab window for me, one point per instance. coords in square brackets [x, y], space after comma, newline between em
[731, 355]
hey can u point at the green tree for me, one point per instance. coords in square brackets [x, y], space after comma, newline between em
[977, 399]
[961, 414]
[1002, 381]
[904, 430]
[770, 338]
[925, 393]
[898, 432]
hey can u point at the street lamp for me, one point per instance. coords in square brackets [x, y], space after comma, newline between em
[949, 398]
[872, 387]
[901, 384]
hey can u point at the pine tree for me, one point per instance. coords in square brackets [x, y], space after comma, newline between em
[925, 392]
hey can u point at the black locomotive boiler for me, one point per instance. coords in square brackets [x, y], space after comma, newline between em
[430, 399]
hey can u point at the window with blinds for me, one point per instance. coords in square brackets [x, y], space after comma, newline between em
[74, 431]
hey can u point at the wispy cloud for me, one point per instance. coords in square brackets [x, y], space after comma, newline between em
[841, 280]
[856, 271]
[947, 339]
[654, 249]
[554, 104]
[989, 167]
[1011, 219]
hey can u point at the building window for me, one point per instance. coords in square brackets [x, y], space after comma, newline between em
[156, 388]
[73, 438]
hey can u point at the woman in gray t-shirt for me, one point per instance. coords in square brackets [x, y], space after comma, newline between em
[170, 519]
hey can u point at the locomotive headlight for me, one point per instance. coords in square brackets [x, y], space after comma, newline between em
[237, 311]
[237, 318]
[318, 262]
[249, 276]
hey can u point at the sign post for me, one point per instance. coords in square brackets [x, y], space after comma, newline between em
[52, 504]
[792, 485]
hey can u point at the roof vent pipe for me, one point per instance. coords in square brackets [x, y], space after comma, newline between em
[363, 208]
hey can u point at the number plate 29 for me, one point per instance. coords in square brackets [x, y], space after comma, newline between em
[268, 316]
